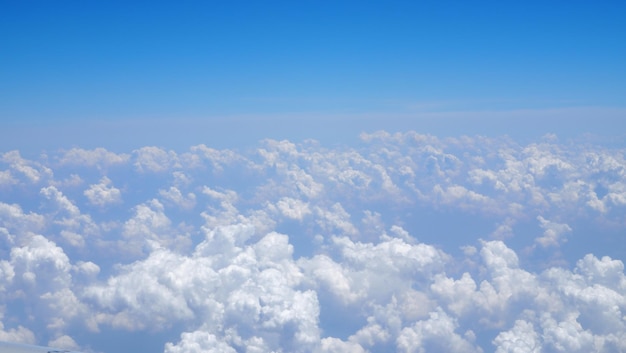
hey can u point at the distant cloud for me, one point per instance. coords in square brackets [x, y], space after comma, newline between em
[405, 242]
[98, 157]
[154, 159]
[103, 193]
[553, 232]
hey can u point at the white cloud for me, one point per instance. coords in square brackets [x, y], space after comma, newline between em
[199, 342]
[154, 159]
[196, 250]
[32, 171]
[6, 178]
[45, 264]
[219, 159]
[6, 275]
[553, 233]
[335, 345]
[98, 157]
[175, 196]
[17, 225]
[567, 335]
[521, 338]
[19, 334]
[293, 208]
[103, 193]
[224, 283]
[75, 225]
[64, 342]
[336, 219]
[438, 333]
[150, 228]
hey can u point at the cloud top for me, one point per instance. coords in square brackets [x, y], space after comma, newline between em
[406, 242]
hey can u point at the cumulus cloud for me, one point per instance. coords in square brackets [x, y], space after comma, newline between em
[553, 232]
[18, 334]
[32, 171]
[405, 242]
[98, 157]
[176, 197]
[6, 178]
[154, 159]
[521, 338]
[103, 193]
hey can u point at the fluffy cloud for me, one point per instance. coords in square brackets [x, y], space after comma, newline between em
[19, 334]
[553, 232]
[299, 247]
[99, 158]
[29, 171]
[154, 159]
[103, 193]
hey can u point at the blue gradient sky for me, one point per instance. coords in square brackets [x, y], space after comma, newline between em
[71, 62]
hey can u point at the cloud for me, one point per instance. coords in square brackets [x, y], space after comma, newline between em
[553, 232]
[435, 334]
[239, 289]
[41, 264]
[18, 334]
[175, 196]
[7, 179]
[103, 194]
[74, 225]
[30, 171]
[404, 242]
[16, 225]
[521, 338]
[154, 159]
[98, 157]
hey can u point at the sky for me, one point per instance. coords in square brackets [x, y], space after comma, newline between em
[313, 176]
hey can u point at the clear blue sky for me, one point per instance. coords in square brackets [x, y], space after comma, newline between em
[64, 62]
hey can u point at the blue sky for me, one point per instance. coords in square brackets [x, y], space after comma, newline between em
[73, 62]
[313, 176]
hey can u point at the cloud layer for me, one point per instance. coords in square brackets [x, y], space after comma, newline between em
[405, 242]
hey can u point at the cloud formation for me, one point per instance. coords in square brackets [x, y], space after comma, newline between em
[406, 242]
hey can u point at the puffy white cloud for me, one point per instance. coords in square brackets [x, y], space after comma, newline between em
[75, 226]
[567, 335]
[335, 219]
[41, 264]
[176, 197]
[19, 334]
[335, 345]
[553, 232]
[6, 275]
[6, 178]
[437, 334]
[154, 159]
[150, 228]
[88, 268]
[16, 225]
[522, 338]
[32, 171]
[245, 288]
[293, 208]
[202, 246]
[219, 159]
[141, 295]
[103, 193]
[199, 342]
[98, 157]
[64, 342]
